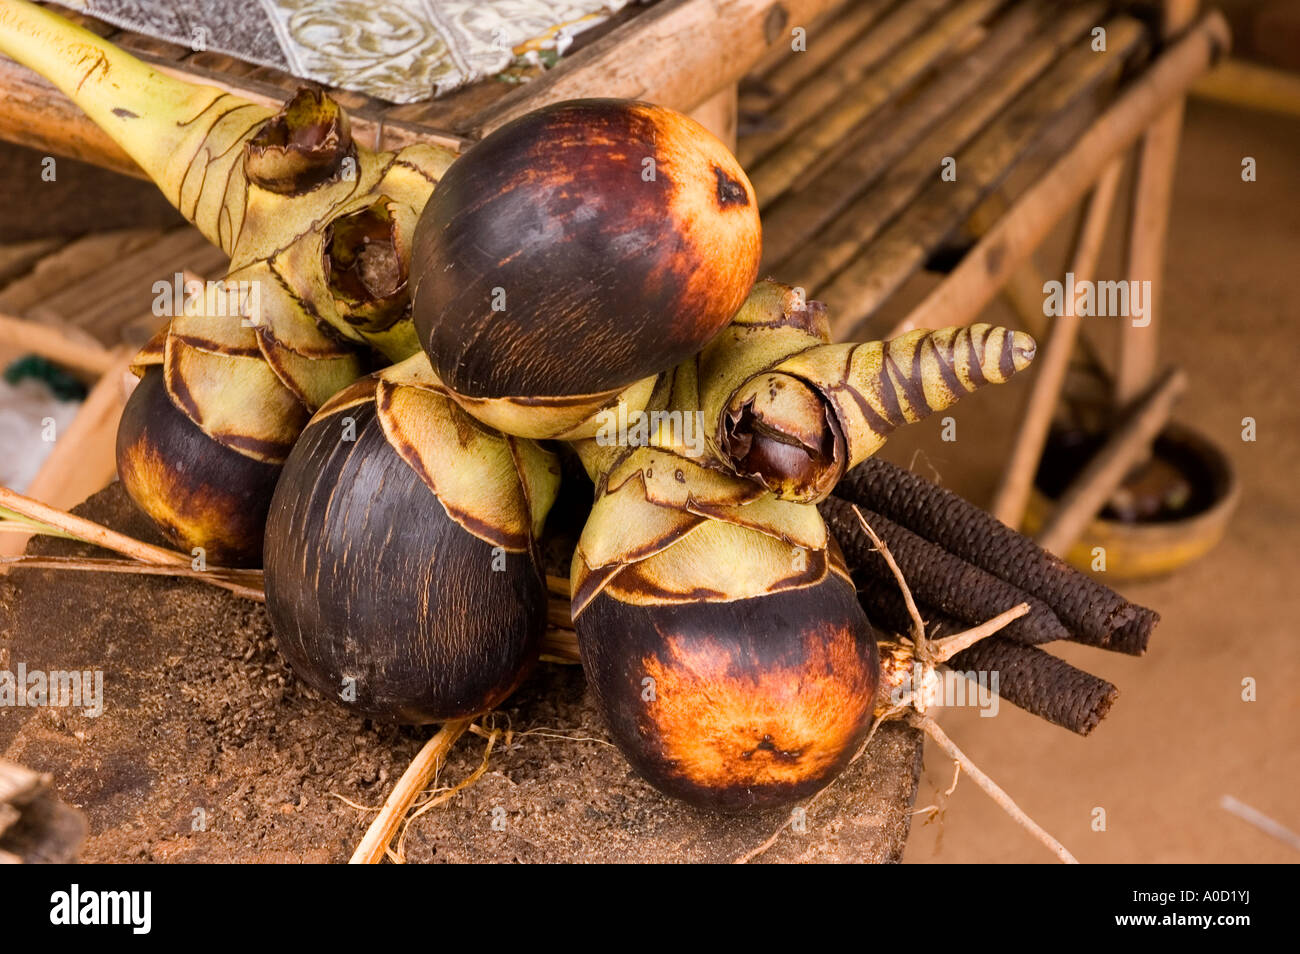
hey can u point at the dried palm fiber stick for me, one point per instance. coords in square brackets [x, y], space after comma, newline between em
[245, 583]
[795, 413]
[855, 293]
[825, 43]
[877, 145]
[976, 280]
[1153, 188]
[1028, 677]
[1012, 495]
[783, 167]
[318, 232]
[1124, 449]
[901, 24]
[961, 590]
[857, 223]
[1094, 613]
[422, 770]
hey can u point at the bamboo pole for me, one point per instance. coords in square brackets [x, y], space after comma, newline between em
[877, 271]
[1090, 490]
[1153, 187]
[55, 344]
[718, 115]
[1251, 86]
[781, 169]
[678, 53]
[1018, 478]
[817, 95]
[986, 267]
[892, 135]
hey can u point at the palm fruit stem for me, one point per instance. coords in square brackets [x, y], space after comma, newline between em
[796, 412]
[154, 117]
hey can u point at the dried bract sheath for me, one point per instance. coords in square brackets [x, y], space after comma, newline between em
[796, 413]
[304, 145]
[401, 572]
[576, 250]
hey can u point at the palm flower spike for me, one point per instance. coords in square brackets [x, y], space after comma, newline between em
[318, 229]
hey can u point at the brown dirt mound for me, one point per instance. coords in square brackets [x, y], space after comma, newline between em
[208, 749]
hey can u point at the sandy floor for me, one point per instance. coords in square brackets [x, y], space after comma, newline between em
[1180, 736]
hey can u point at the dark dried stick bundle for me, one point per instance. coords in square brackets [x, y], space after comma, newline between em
[1094, 613]
[938, 578]
[1028, 677]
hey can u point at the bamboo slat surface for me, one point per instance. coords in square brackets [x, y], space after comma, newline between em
[847, 142]
[678, 53]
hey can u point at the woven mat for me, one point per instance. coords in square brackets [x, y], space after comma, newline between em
[403, 51]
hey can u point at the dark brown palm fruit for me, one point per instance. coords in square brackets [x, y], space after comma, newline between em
[379, 595]
[199, 492]
[749, 703]
[581, 248]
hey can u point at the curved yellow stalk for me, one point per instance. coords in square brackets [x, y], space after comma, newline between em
[183, 135]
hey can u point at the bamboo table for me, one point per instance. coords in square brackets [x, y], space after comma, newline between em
[687, 54]
[867, 99]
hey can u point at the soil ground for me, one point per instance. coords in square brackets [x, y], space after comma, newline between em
[209, 750]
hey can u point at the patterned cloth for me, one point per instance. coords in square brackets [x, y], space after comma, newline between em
[403, 51]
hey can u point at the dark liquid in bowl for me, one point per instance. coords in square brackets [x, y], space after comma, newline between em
[1179, 482]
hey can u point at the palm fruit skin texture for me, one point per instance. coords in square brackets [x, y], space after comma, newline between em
[405, 602]
[579, 249]
[160, 451]
[717, 625]
[749, 704]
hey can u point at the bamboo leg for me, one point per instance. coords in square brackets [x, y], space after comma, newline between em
[1090, 490]
[84, 457]
[1251, 86]
[1018, 478]
[55, 344]
[983, 271]
[1152, 194]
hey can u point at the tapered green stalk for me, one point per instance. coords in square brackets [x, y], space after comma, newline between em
[179, 133]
